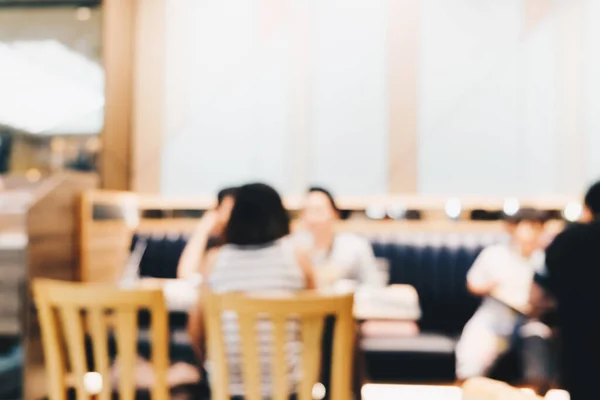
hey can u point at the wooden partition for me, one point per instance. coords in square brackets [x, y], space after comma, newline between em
[110, 218]
[39, 230]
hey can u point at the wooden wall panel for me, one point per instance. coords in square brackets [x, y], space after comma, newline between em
[149, 95]
[403, 100]
[571, 151]
[119, 38]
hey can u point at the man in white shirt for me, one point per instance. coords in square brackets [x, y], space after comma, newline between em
[502, 275]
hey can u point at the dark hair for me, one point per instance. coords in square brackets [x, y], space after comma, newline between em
[226, 192]
[258, 216]
[592, 199]
[327, 193]
[528, 215]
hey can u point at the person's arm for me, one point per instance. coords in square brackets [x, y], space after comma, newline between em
[195, 330]
[480, 280]
[305, 263]
[195, 327]
[193, 253]
[540, 301]
[368, 272]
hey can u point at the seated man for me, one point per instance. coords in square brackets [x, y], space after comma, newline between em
[502, 273]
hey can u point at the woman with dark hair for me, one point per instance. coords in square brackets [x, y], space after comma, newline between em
[336, 256]
[256, 256]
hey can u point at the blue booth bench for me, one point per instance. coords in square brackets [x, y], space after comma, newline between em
[436, 265]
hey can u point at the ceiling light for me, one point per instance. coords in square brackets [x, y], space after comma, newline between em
[511, 206]
[573, 211]
[453, 208]
[397, 211]
[375, 212]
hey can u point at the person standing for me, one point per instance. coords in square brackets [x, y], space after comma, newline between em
[573, 273]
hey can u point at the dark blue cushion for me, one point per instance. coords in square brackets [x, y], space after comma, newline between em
[161, 256]
[438, 273]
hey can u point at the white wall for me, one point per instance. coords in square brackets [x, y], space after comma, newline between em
[244, 97]
[296, 92]
[592, 89]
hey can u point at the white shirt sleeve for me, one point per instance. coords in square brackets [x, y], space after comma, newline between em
[483, 270]
[368, 269]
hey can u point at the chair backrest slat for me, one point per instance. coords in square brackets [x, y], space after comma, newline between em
[159, 331]
[309, 311]
[281, 388]
[216, 349]
[251, 368]
[72, 323]
[99, 332]
[53, 351]
[106, 309]
[126, 336]
[312, 337]
[341, 368]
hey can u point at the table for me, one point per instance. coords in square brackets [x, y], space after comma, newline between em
[392, 303]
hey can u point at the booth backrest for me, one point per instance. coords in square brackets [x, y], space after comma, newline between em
[435, 264]
[160, 253]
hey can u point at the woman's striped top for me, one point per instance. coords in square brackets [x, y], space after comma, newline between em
[271, 267]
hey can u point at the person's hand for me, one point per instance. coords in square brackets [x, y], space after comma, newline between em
[492, 286]
[483, 288]
[328, 274]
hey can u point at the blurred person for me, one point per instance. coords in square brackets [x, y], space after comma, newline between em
[535, 335]
[256, 256]
[572, 276]
[507, 269]
[336, 256]
[207, 235]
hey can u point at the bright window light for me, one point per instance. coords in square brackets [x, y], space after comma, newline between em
[45, 85]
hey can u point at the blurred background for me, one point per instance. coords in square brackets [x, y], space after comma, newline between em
[437, 116]
[52, 80]
[365, 97]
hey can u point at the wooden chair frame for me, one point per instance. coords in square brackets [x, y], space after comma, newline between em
[65, 311]
[310, 309]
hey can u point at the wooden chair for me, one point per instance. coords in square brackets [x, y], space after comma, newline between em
[67, 311]
[310, 310]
